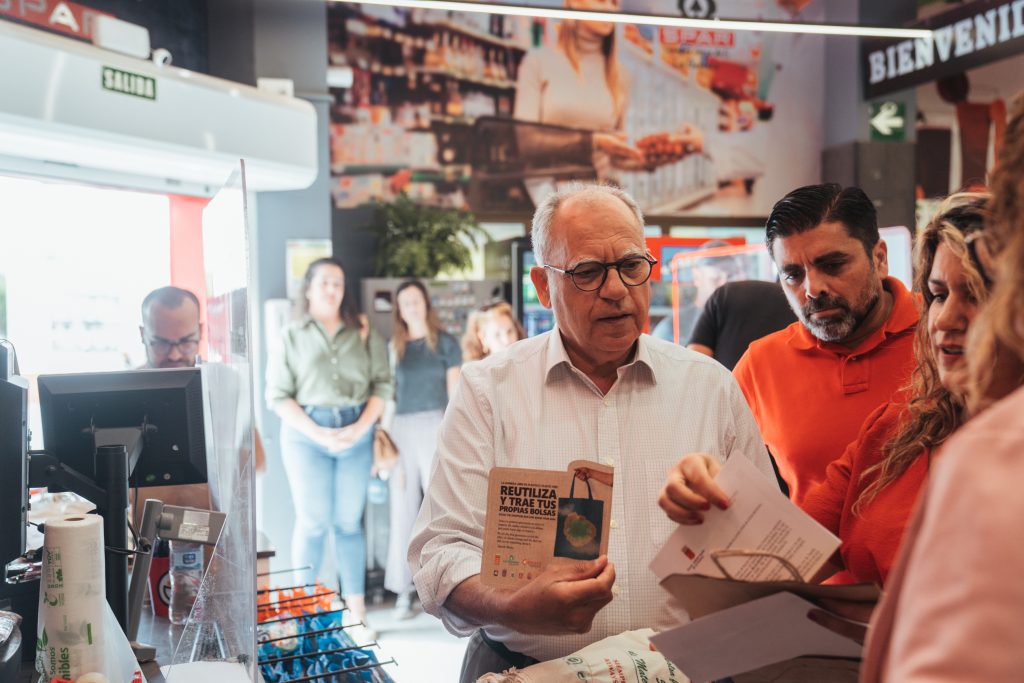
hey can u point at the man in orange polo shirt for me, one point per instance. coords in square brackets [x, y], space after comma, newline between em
[812, 384]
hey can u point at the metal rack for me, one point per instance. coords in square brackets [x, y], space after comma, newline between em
[314, 638]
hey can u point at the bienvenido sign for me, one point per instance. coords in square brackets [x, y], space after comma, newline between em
[974, 34]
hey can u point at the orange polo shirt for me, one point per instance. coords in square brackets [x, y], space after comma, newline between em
[811, 397]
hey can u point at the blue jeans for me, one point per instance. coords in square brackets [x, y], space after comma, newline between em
[329, 494]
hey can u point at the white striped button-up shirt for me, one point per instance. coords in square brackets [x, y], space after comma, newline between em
[530, 407]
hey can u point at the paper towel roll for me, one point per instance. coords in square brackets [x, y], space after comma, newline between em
[72, 598]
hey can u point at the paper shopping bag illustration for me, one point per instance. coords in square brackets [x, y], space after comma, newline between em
[578, 535]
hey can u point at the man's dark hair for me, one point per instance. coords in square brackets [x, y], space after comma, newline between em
[808, 207]
[167, 297]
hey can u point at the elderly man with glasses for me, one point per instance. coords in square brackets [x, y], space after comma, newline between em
[594, 388]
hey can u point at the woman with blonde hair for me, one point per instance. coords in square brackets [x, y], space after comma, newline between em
[426, 367]
[489, 330]
[952, 609]
[580, 83]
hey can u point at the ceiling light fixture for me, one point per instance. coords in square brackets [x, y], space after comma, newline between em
[656, 20]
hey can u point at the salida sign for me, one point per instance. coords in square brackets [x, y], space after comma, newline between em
[66, 17]
[972, 35]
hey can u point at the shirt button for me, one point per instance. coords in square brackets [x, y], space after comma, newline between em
[334, 377]
[609, 462]
[606, 403]
[615, 524]
[616, 590]
[334, 361]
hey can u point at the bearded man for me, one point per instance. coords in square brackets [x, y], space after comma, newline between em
[812, 384]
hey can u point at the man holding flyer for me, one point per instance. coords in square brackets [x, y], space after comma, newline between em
[594, 389]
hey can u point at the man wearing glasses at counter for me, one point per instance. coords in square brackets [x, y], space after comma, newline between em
[596, 388]
[170, 328]
[171, 332]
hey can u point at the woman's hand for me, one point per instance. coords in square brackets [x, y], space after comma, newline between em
[668, 148]
[337, 439]
[691, 489]
[349, 435]
[623, 154]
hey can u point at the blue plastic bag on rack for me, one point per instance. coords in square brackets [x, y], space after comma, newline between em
[306, 655]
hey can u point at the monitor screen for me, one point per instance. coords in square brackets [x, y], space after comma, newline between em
[13, 477]
[168, 402]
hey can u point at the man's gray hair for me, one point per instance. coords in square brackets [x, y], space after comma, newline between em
[545, 212]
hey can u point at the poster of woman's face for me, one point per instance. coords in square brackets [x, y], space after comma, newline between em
[489, 112]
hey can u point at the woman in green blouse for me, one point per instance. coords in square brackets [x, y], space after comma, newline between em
[329, 385]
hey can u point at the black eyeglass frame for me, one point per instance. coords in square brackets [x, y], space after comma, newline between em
[164, 346]
[617, 265]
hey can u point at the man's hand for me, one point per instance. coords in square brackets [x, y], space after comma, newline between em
[564, 598]
[691, 490]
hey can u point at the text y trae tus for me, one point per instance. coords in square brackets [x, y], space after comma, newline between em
[537, 501]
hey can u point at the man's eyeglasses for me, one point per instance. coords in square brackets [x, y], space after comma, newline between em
[590, 276]
[163, 346]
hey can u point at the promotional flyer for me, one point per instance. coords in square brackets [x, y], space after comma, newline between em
[536, 517]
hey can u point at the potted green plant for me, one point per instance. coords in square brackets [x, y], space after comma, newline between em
[416, 240]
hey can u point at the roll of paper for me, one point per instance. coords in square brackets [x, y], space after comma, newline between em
[72, 599]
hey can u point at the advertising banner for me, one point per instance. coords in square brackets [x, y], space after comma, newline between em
[490, 112]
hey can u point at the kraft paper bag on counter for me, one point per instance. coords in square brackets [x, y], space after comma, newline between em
[534, 517]
[79, 637]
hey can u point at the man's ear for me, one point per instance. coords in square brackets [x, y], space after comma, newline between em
[881, 255]
[539, 277]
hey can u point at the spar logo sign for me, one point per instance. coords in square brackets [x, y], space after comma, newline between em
[128, 83]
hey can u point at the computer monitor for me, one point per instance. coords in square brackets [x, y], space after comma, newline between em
[13, 474]
[167, 404]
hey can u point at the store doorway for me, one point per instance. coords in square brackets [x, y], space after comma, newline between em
[76, 260]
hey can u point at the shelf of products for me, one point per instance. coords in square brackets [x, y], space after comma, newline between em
[488, 82]
[499, 41]
[405, 124]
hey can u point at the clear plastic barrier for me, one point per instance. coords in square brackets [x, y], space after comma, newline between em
[219, 640]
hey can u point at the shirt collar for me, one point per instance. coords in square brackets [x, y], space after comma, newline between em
[309, 321]
[557, 358]
[903, 317]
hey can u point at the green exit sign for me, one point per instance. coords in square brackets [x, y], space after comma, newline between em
[888, 121]
[128, 83]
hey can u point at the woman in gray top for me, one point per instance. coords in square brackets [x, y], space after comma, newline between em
[427, 362]
[329, 385]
